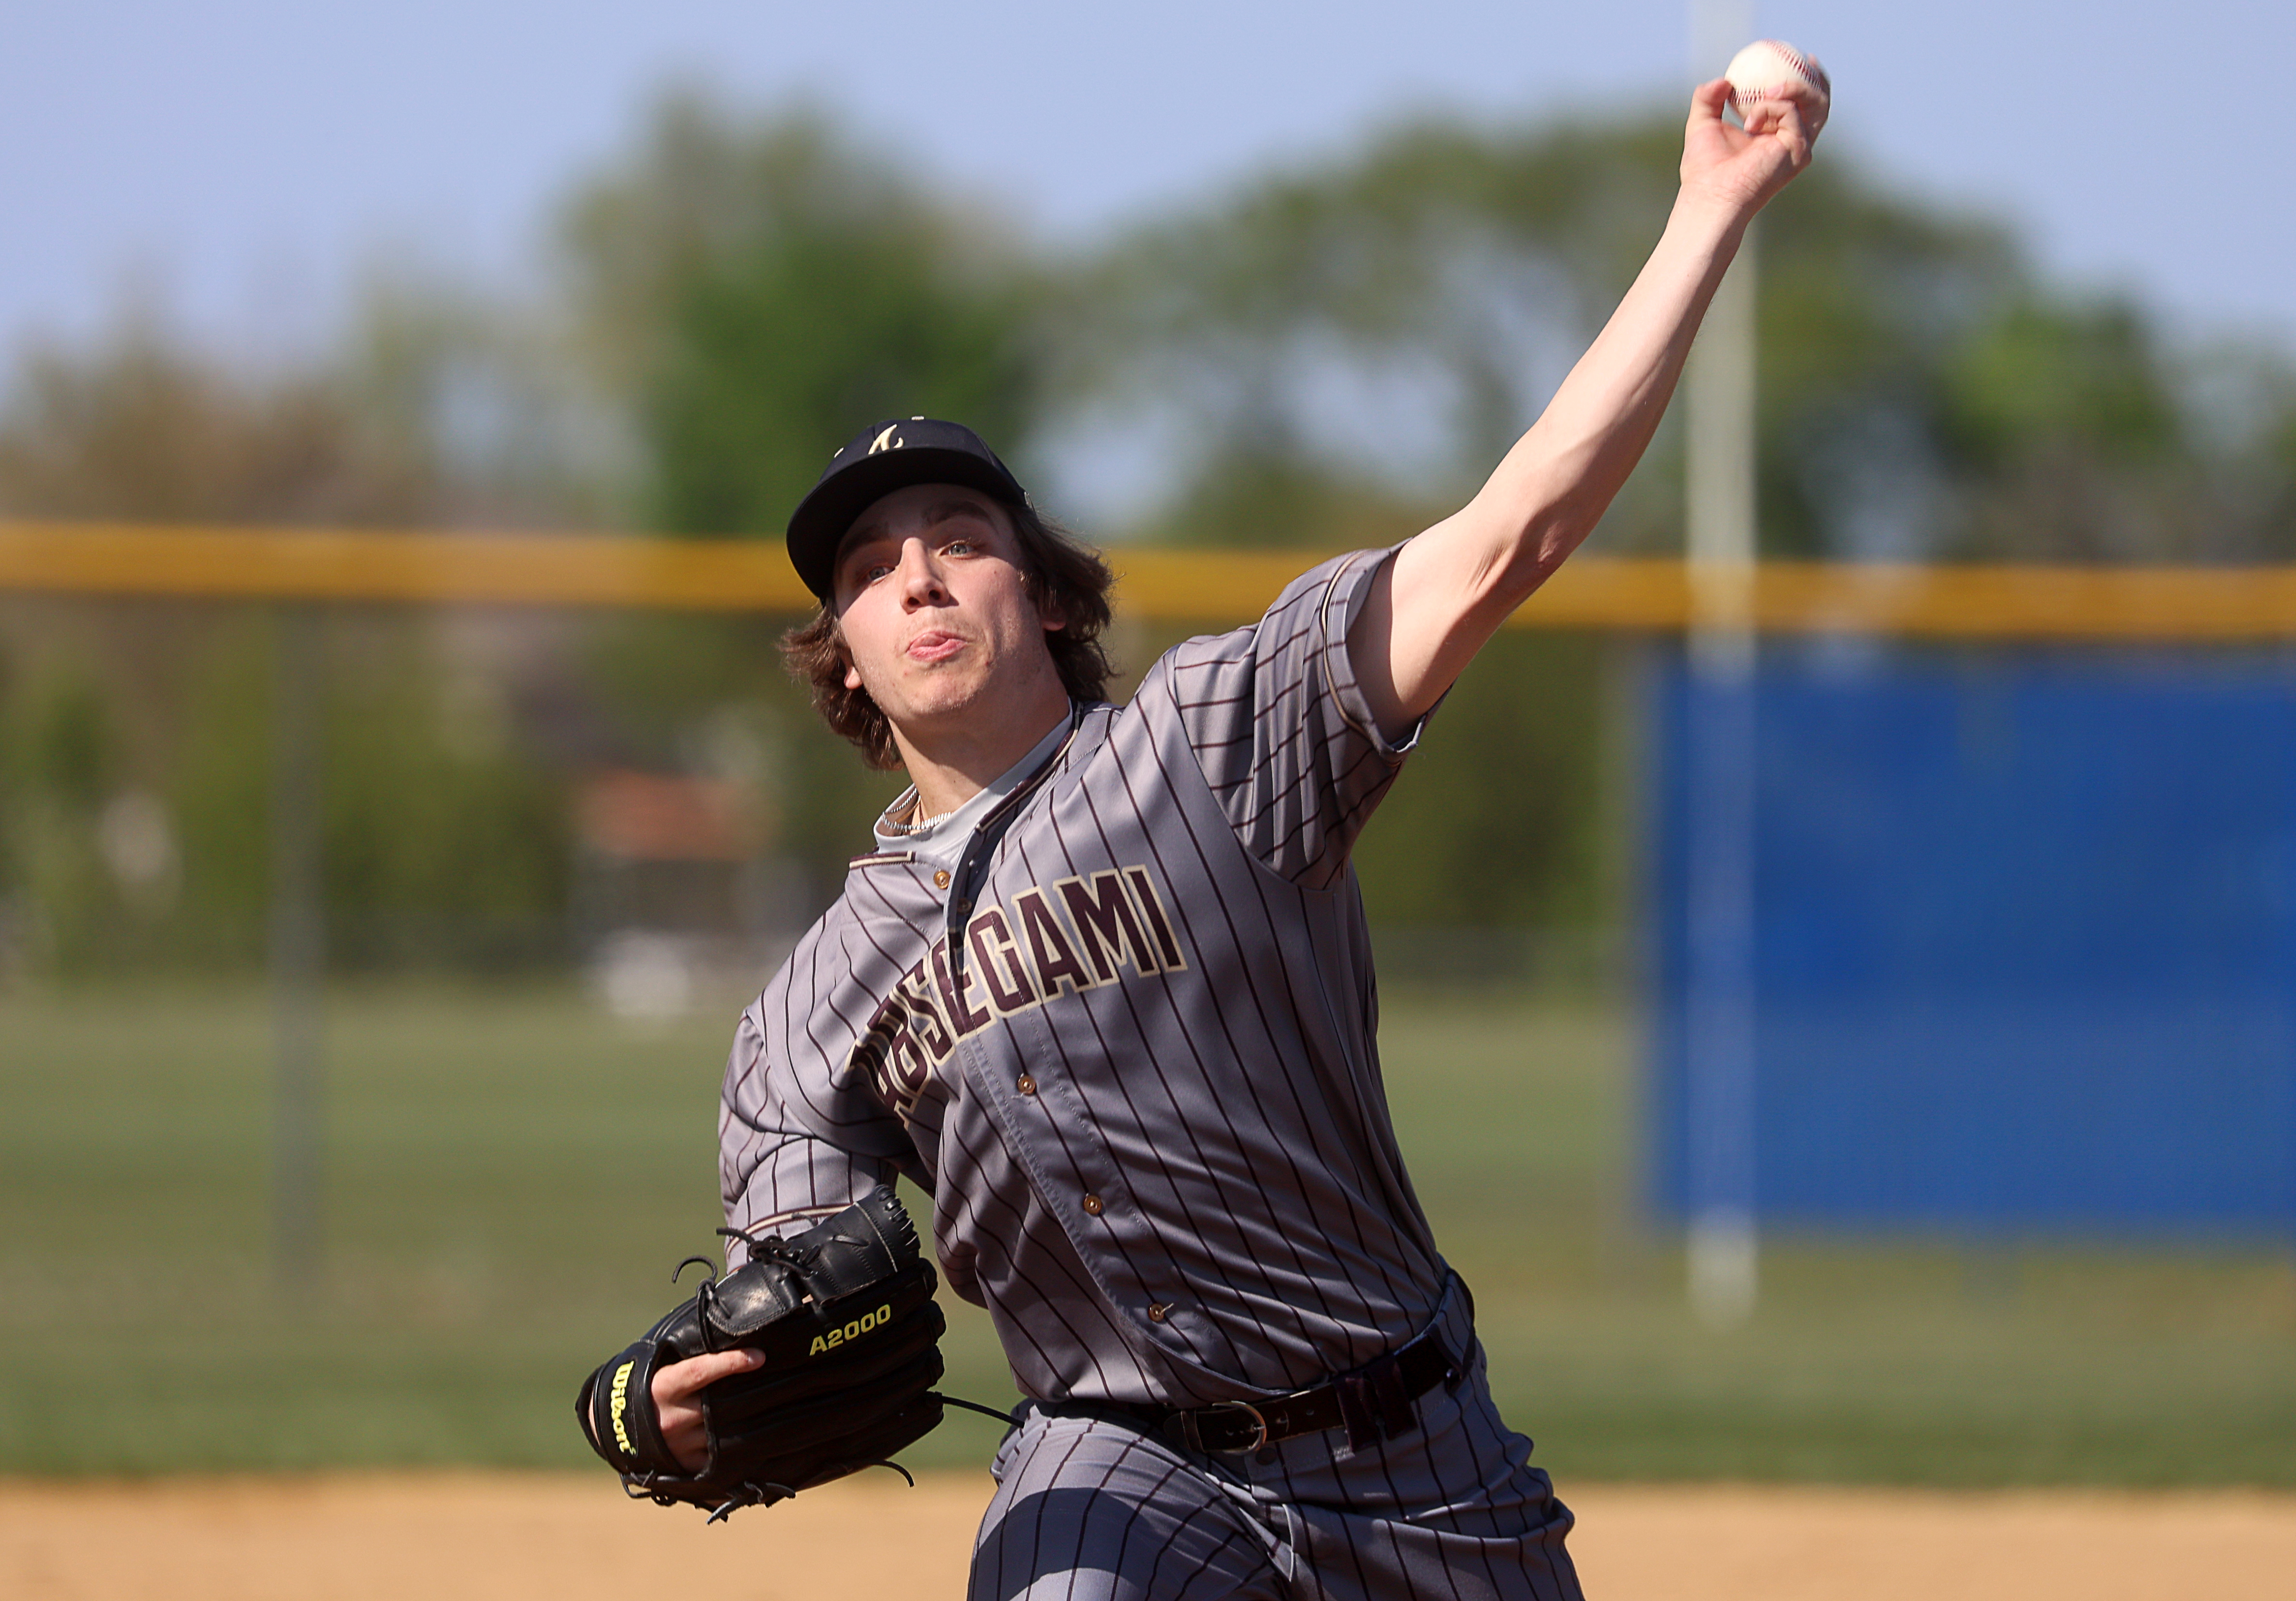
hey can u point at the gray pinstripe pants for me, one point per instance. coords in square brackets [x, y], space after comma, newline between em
[1088, 1509]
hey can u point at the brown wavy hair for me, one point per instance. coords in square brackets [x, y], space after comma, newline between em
[1058, 572]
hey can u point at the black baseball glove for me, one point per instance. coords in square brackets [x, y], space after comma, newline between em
[845, 1316]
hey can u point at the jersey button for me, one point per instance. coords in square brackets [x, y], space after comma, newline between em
[1157, 1310]
[940, 878]
[1026, 1085]
[1091, 1204]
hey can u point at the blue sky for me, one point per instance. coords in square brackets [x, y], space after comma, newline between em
[247, 159]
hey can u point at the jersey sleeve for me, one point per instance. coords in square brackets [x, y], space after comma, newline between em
[1280, 728]
[789, 1151]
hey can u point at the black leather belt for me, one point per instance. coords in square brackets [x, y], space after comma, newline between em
[1373, 1403]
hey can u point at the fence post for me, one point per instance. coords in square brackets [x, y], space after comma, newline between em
[298, 943]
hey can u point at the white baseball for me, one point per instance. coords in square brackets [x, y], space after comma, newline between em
[1773, 69]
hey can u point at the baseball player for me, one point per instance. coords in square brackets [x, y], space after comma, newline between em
[1103, 988]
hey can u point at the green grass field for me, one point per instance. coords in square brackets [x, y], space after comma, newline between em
[511, 1175]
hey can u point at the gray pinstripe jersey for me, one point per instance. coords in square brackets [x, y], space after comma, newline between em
[1145, 1090]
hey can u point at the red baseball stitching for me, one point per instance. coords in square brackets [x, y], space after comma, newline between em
[1813, 77]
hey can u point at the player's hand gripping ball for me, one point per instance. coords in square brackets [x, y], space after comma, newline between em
[1771, 71]
[844, 1317]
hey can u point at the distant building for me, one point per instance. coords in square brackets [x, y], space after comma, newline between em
[674, 894]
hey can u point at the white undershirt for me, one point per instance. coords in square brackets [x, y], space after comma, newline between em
[942, 839]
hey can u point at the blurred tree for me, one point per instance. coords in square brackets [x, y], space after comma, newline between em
[61, 746]
[219, 787]
[139, 427]
[2274, 478]
[1498, 823]
[133, 816]
[441, 852]
[762, 291]
[765, 290]
[1925, 396]
[437, 409]
[1342, 352]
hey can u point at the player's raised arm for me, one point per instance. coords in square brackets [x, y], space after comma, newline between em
[1448, 589]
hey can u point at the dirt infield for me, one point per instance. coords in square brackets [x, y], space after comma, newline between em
[469, 1537]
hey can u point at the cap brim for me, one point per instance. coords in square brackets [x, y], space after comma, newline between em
[824, 516]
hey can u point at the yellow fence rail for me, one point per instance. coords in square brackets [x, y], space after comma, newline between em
[1188, 586]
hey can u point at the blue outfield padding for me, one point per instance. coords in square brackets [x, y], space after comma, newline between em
[2024, 940]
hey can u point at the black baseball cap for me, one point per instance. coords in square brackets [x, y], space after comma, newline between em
[880, 459]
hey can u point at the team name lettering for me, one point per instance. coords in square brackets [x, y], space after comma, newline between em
[1048, 940]
[1101, 908]
[853, 1330]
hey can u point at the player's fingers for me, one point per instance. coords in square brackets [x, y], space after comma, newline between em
[1708, 99]
[685, 1432]
[677, 1411]
[1784, 119]
[1792, 131]
[680, 1382]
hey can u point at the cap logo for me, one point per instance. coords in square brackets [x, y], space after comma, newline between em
[886, 441]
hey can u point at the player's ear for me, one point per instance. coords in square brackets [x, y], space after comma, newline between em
[1047, 599]
[837, 643]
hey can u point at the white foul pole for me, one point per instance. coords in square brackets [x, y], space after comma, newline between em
[1718, 999]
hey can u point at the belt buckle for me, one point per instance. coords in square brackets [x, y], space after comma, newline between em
[1260, 1423]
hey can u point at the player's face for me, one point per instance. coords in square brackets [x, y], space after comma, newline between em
[937, 621]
